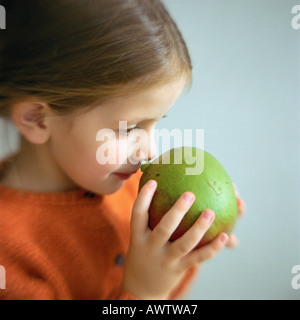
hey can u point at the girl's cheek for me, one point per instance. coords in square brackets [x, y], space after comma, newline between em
[122, 152]
[112, 153]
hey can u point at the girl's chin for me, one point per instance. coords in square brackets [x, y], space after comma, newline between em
[112, 186]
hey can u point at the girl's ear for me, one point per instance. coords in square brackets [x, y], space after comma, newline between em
[30, 118]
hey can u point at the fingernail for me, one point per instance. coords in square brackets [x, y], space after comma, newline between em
[207, 215]
[240, 204]
[152, 183]
[189, 197]
[224, 237]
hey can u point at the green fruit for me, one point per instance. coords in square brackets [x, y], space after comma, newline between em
[210, 184]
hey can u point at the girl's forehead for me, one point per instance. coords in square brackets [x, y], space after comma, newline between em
[149, 104]
[152, 96]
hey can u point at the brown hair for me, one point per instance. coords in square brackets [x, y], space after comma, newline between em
[79, 53]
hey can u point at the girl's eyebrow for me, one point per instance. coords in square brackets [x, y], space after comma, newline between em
[164, 116]
[134, 122]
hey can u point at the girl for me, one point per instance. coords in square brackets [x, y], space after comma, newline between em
[68, 69]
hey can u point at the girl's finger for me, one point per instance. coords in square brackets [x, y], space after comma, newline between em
[170, 221]
[192, 237]
[139, 219]
[205, 253]
[232, 241]
[235, 190]
[240, 203]
[241, 206]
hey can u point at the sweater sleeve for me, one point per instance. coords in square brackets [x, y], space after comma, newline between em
[22, 285]
[29, 276]
[29, 279]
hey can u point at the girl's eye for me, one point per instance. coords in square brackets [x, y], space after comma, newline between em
[129, 130]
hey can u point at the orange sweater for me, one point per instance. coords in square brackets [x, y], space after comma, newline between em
[67, 245]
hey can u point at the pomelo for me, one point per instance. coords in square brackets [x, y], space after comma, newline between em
[195, 170]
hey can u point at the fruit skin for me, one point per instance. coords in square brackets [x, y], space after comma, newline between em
[213, 190]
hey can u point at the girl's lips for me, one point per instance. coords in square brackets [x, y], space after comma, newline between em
[124, 176]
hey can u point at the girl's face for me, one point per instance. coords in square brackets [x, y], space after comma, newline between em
[92, 151]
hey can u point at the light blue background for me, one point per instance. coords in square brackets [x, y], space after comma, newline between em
[245, 96]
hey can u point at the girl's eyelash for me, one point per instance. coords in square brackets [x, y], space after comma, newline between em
[133, 129]
[129, 130]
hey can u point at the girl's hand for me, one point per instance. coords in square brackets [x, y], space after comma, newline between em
[233, 241]
[154, 266]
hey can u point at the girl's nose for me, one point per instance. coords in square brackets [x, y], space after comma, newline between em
[144, 149]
